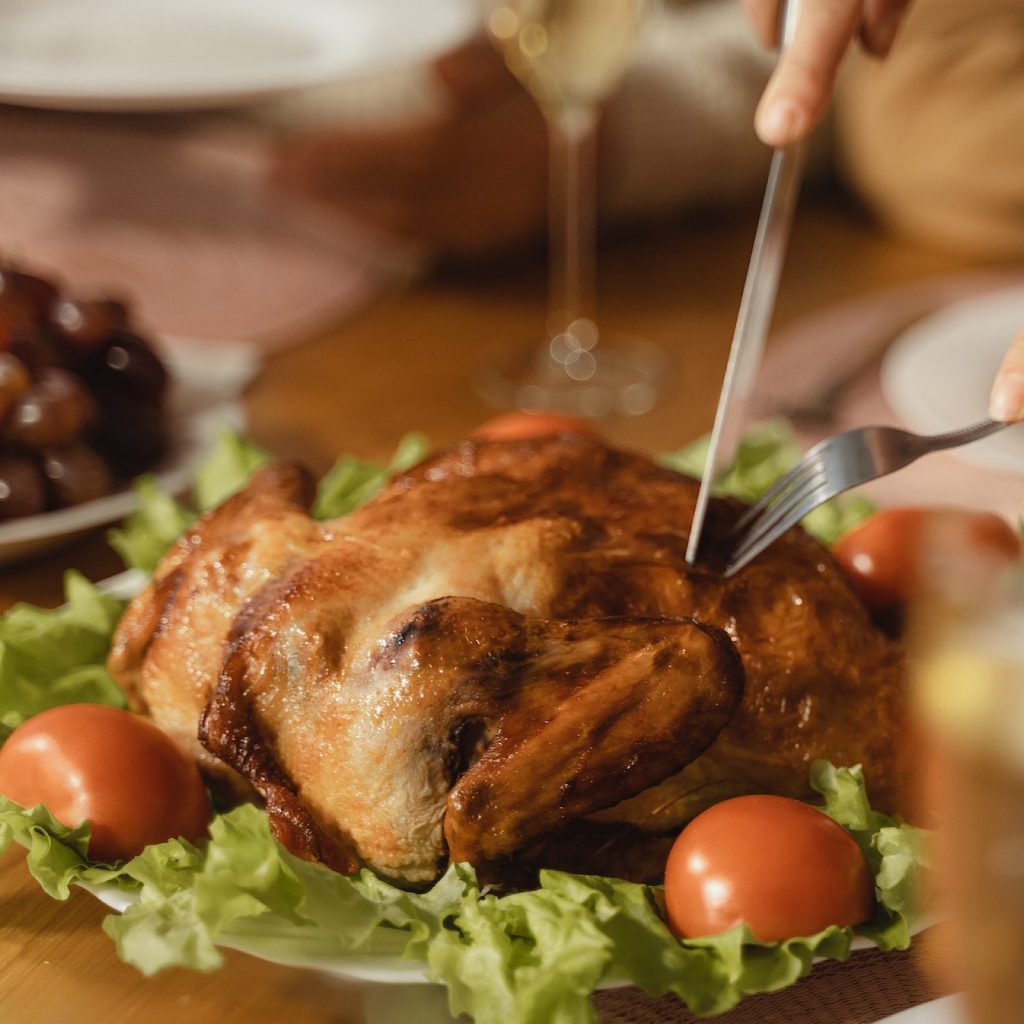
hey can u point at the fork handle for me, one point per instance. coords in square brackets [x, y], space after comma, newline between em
[955, 438]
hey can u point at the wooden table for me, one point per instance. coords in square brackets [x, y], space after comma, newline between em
[405, 364]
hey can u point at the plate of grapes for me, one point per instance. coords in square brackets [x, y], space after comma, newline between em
[89, 401]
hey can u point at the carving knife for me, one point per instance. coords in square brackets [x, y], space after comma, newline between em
[756, 307]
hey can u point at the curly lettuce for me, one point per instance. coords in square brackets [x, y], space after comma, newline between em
[50, 657]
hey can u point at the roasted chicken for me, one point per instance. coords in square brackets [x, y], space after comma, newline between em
[504, 659]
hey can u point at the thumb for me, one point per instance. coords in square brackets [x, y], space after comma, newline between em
[1007, 400]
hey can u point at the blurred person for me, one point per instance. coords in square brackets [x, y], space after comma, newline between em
[929, 138]
[471, 176]
[931, 135]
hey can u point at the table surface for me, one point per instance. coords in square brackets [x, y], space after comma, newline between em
[407, 363]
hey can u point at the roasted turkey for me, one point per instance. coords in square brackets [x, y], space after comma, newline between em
[504, 659]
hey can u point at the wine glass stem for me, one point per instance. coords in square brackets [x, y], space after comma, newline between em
[572, 206]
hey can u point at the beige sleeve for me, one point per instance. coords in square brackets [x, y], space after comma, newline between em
[933, 137]
[680, 131]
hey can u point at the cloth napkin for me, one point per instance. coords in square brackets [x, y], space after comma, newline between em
[173, 213]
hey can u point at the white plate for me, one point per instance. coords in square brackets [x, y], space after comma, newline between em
[124, 55]
[207, 380]
[947, 1010]
[937, 375]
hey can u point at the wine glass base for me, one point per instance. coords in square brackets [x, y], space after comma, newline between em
[621, 376]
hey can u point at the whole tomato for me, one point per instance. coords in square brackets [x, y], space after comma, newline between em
[882, 556]
[781, 866]
[515, 426]
[116, 770]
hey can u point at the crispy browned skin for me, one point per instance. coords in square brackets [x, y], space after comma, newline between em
[496, 660]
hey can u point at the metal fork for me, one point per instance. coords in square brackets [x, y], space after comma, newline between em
[831, 467]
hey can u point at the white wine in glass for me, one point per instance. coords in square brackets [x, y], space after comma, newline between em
[570, 55]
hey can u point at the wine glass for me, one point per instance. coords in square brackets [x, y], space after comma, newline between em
[570, 55]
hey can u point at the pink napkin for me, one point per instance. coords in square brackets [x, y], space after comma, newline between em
[172, 212]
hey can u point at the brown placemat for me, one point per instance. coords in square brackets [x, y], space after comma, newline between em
[871, 985]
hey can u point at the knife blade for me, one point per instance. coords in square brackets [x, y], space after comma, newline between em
[755, 313]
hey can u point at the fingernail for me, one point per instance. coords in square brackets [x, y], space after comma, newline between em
[778, 124]
[1007, 402]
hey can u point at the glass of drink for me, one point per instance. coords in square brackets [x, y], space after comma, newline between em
[969, 688]
[570, 55]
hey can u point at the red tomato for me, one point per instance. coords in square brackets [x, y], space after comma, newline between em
[882, 555]
[781, 866]
[119, 772]
[515, 426]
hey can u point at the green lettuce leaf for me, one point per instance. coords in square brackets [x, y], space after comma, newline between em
[57, 856]
[228, 468]
[351, 482]
[768, 451]
[50, 657]
[897, 854]
[156, 523]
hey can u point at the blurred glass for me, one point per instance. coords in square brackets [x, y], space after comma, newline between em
[969, 692]
[571, 55]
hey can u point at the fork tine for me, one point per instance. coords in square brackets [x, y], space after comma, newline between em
[809, 483]
[785, 483]
[750, 549]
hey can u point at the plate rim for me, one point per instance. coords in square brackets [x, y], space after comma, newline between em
[902, 361]
[330, 64]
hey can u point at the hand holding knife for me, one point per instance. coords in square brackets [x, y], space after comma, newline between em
[756, 307]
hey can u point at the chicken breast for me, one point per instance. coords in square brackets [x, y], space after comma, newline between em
[504, 659]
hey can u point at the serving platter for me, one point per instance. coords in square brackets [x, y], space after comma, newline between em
[208, 379]
[139, 55]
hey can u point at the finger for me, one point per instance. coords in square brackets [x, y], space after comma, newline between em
[799, 90]
[1007, 401]
[882, 19]
[764, 16]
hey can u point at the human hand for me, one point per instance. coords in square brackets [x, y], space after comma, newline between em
[799, 90]
[470, 180]
[1007, 401]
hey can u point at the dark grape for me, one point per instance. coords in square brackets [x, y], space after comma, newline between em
[85, 325]
[132, 437]
[130, 370]
[81, 396]
[20, 289]
[22, 491]
[14, 381]
[76, 474]
[52, 413]
[33, 348]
